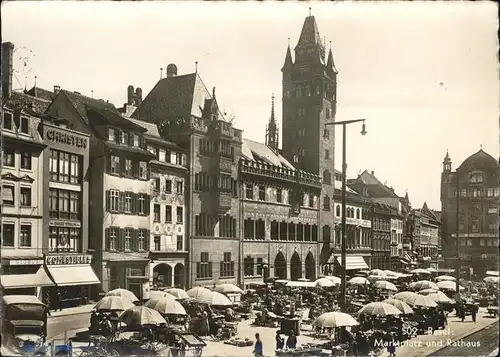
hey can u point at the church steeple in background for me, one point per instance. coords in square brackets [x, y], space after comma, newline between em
[272, 135]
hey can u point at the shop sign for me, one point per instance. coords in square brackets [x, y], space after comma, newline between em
[65, 224]
[68, 259]
[24, 262]
[61, 137]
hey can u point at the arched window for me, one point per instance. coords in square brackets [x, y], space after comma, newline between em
[337, 211]
[358, 214]
[327, 177]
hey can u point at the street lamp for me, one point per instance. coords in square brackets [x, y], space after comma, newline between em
[344, 188]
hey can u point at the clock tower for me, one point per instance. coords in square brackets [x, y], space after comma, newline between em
[309, 101]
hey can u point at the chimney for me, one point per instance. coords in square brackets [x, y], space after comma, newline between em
[130, 95]
[171, 70]
[138, 96]
[57, 89]
[7, 69]
[373, 173]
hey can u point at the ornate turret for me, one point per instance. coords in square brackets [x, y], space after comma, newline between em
[288, 58]
[447, 163]
[272, 136]
[330, 64]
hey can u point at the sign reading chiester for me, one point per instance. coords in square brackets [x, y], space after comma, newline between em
[68, 259]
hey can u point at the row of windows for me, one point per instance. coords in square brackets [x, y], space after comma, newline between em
[63, 239]
[9, 234]
[64, 204]
[16, 122]
[179, 243]
[206, 183]
[254, 229]
[355, 238]
[122, 166]
[65, 167]
[9, 195]
[125, 138]
[478, 192]
[381, 224]
[126, 239]
[204, 268]
[168, 213]
[9, 158]
[127, 202]
[165, 155]
[482, 242]
[205, 225]
[168, 185]
[306, 90]
[294, 232]
[253, 266]
[222, 147]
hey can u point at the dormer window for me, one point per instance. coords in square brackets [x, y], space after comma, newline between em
[7, 121]
[178, 158]
[136, 140]
[476, 178]
[24, 127]
[111, 134]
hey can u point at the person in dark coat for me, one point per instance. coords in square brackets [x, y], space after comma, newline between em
[291, 342]
[258, 348]
[280, 342]
[474, 312]
[58, 301]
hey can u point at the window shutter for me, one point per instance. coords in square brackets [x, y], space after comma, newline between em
[134, 203]
[147, 201]
[209, 269]
[133, 240]
[147, 234]
[122, 165]
[121, 239]
[108, 200]
[108, 163]
[106, 239]
[198, 270]
[121, 201]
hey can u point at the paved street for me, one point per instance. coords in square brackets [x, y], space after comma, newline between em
[481, 343]
[57, 325]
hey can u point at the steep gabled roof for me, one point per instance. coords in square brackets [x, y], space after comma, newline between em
[152, 133]
[42, 93]
[103, 116]
[309, 34]
[376, 189]
[180, 96]
[81, 103]
[19, 100]
[252, 150]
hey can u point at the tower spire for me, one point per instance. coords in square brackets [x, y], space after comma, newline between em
[273, 120]
[272, 138]
[288, 58]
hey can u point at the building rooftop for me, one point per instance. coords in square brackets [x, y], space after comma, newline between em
[254, 151]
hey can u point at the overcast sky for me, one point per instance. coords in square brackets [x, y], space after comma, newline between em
[424, 75]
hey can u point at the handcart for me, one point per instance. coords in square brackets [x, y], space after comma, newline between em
[191, 345]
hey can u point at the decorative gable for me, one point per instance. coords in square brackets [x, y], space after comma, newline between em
[9, 176]
[26, 178]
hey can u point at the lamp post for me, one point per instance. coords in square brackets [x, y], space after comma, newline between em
[344, 187]
[457, 265]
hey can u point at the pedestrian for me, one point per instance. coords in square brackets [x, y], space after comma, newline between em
[258, 349]
[58, 301]
[474, 312]
[47, 302]
[291, 341]
[391, 345]
[280, 342]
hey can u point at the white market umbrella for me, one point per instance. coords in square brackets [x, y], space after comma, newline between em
[335, 319]
[491, 279]
[377, 277]
[379, 308]
[445, 277]
[424, 284]
[358, 280]
[377, 272]
[124, 293]
[179, 294]
[220, 300]
[334, 279]
[414, 299]
[228, 289]
[141, 316]
[114, 303]
[324, 282]
[385, 285]
[200, 294]
[438, 297]
[166, 306]
[431, 270]
[427, 291]
[448, 285]
[303, 279]
[420, 271]
[391, 273]
[400, 305]
[157, 294]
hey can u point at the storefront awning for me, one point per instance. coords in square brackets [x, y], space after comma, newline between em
[353, 262]
[301, 284]
[73, 275]
[17, 281]
[492, 273]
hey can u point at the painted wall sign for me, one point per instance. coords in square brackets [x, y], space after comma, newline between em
[66, 138]
[68, 259]
[23, 262]
[67, 224]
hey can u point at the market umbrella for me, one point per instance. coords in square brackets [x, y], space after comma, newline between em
[165, 305]
[424, 284]
[379, 308]
[448, 285]
[420, 271]
[438, 297]
[157, 294]
[303, 279]
[200, 294]
[336, 280]
[179, 294]
[228, 289]
[358, 280]
[391, 273]
[377, 272]
[445, 277]
[400, 305]
[385, 285]
[324, 282]
[220, 300]
[124, 293]
[414, 299]
[377, 277]
[431, 270]
[491, 279]
[427, 291]
[141, 316]
[335, 319]
[113, 303]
